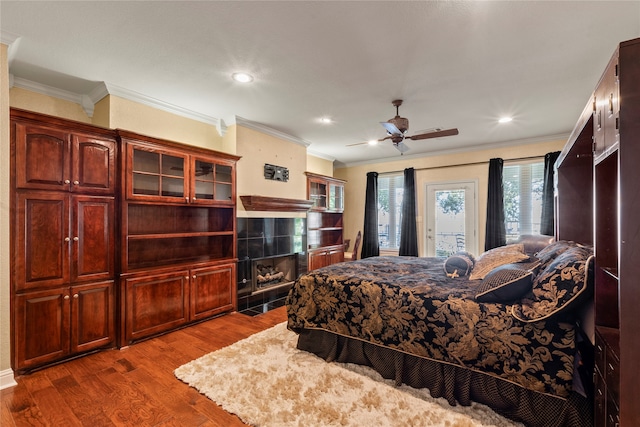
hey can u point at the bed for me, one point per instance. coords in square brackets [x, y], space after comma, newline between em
[505, 329]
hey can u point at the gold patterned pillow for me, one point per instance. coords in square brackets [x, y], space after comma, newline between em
[496, 257]
[563, 283]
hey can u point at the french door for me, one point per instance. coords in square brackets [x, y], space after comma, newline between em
[451, 214]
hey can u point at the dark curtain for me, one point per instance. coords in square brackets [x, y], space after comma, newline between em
[408, 230]
[547, 225]
[495, 233]
[370, 244]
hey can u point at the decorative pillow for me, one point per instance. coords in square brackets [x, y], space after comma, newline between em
[506, 283]
[551, 251]
[459, 264]
[559, 286]
[496, 257]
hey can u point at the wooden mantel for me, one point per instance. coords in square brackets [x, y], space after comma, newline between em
[275, 204]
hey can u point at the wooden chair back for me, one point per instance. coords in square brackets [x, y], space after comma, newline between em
[356, 246]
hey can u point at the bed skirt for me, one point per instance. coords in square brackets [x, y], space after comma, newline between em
[456, 384]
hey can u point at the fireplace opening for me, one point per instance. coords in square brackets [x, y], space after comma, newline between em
[273, 272]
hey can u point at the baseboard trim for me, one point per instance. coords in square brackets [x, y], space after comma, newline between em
[6, 379]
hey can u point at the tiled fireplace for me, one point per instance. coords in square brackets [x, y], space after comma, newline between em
[271, 255]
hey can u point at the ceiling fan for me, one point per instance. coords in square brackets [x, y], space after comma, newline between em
[397, 128]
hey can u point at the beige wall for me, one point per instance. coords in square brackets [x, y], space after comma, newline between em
[256, 149]
[356, 177]
[319, 165]
[32, 101]
[133, 116]
[6, 377]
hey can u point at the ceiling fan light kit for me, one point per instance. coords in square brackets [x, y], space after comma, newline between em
[397, 128]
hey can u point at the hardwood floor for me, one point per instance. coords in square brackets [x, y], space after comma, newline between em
[133, 385]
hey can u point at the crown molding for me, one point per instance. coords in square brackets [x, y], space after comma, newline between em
[140, 98]
[8, 38]
[11, 41]
[83, 100]
[503, 144]
[321, 155]
[270, 131]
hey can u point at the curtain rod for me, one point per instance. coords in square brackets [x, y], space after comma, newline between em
[517, 159]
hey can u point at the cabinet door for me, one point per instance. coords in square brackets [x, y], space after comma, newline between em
[93, 239]
[156, 303]
[94, 165]
[336, 255]
[336, 197]
[154, 174]
[42, 240]
[212, 181]
[43, 157]
[41, 327]
[92, 316]
[317, 259]
[606, 121]
[212, 290]
[317, 193]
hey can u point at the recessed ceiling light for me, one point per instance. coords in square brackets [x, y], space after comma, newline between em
[242, 77]
[505, 119]
[325, 120]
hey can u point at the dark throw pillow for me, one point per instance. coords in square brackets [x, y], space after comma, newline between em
[505, 283]
[459, 264]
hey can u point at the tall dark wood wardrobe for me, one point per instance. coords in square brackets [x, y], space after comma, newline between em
[604, 151]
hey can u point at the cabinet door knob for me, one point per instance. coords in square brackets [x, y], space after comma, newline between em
[194, 276]
[186, 277]
[66, 239]
[76, 182]
[76, 296]
[75, 239]
[66, 181]
[66, 297]
[193, 198]
[186, 198]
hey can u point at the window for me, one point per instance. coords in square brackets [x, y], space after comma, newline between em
[522, 198]
[390, 192]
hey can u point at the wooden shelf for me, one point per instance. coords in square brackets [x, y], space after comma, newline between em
[276, 204]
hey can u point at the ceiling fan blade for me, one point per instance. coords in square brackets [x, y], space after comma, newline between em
[402, 147]
[391, 128]
[357, 143]
[435, 134]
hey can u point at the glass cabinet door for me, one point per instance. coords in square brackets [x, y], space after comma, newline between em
[156, 174]
[224, 181]
[203, 173]
[211, 181]
[318, 194]
[336, 197]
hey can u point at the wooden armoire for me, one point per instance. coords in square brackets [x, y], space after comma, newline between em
[64, 180]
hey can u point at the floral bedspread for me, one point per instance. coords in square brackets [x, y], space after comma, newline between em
[409, 304]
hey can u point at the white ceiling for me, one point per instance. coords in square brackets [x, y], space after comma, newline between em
[455, 64]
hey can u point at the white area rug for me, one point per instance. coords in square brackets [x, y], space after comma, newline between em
[266, 381]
